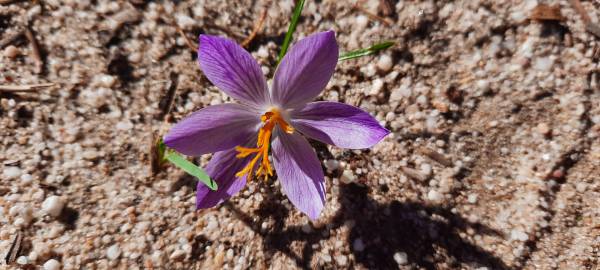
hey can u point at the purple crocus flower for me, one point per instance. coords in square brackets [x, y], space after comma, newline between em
[240, 134]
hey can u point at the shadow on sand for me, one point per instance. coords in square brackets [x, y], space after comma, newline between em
[429, 235]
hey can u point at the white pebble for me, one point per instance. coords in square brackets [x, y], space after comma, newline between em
[384, 63]
[106, 80]
[517, 234]
[11, 172]
[435, 196]
[376, 87]
[361, 22]
[51, 264]
[22, 260]
[347, 177]
[401, 258]
[53, 205]
[124, 125]
[472, 198]
[113, 252]
[262, 52]
[426, 169]
[483, 85]
[26, 179]
[543, 63]
[358, 245]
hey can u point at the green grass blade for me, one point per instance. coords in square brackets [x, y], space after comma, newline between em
[190, 168]
[364, 52]
[288, 36]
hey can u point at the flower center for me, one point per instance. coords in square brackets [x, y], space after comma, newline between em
[270, 119]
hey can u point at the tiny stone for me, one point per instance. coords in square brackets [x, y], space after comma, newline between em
[332, 165]
[326, 258]
[341, 260]
[26, 179]
[53, 205]
[177, 255]
[384, 63]
[22, 260]
[51, 264]
[124, 125]
[358, 245]
[113, 252]
[347, 177]
[11, 51]
[426, 169]
[472, 198]
[11, 172]
[543, 128]
[516, 234]
[401, 258]
[483, 85]
[376, 87]
[434, 196]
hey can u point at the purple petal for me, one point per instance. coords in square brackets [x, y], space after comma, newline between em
[305, 70]
[222, 169]
[299, 172]
[231, 68]
[212, 129]
[338, 124]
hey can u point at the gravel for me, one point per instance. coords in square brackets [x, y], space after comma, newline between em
[513, 104]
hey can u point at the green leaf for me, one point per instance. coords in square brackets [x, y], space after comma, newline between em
[189, 167]
[288, 36]
[364, 52]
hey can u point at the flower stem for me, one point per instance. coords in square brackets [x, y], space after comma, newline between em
[288, 36]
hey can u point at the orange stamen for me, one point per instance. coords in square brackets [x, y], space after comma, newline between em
[270, 119]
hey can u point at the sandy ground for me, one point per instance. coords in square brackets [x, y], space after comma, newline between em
[493, 160]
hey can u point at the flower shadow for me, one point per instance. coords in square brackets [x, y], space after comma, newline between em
[428, 234]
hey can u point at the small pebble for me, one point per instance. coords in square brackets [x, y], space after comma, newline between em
[113, 252]
[341, 260]
[347, 177]
[51, 264]
[22, 260]
[472, 198]
[11, 52]
[435, 196]
[11, 172]
[53, 205]
[376, 87]
[401, 258]
[384, 63]
[332, 165]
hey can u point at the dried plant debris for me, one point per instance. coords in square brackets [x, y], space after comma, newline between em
[544, 12]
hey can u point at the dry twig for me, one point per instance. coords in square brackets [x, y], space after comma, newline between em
[414, 174]
[188, 42]
[25, 88]
[35, 49]
[386, 21]
[440, 158]
[257, 27]
[15, 248]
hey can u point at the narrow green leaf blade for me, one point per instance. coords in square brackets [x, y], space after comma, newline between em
[190, 168]
[367, 51]
[288, 36]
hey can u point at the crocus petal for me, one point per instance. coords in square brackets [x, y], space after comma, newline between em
[212, 129]
[299, 172]
[338, 124]
[231, 68]
[222, 169]
[305, 70]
